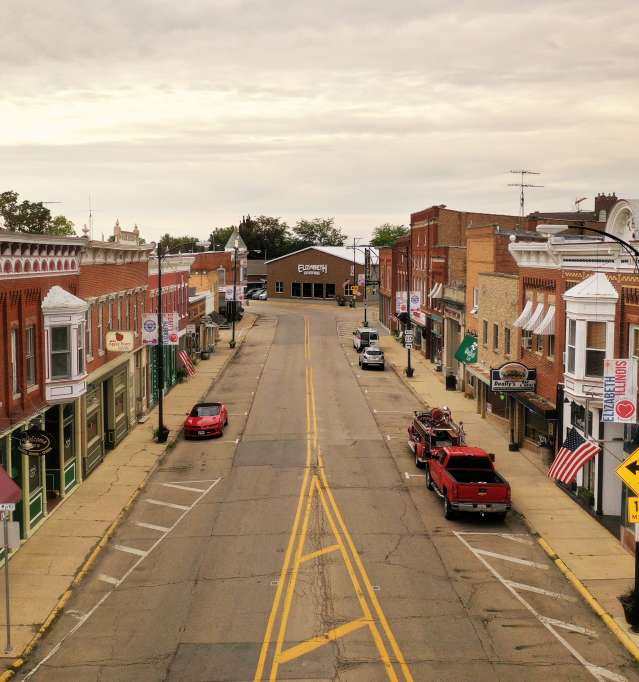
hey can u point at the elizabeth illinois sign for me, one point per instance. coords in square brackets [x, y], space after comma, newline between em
[620, 391]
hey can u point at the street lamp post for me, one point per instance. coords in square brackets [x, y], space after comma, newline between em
[163, 432]
[236, 245]
[409, 324]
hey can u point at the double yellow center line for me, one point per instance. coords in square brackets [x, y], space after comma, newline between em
[315, 485]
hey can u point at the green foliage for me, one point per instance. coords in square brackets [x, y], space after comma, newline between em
[387, 234]
[318, 232]
[265, 237]
[185, 244]
[31, 216]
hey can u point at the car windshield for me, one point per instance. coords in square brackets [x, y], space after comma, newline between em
[205, 411]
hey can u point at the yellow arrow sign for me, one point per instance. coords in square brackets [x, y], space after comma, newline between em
[628, 471]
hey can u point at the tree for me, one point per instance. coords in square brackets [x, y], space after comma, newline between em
[265, 236]
[184, 244]
[61, 226]
[318, 232]
[387, 234]
[30, 216]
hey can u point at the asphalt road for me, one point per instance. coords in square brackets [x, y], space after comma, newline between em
[303, 545]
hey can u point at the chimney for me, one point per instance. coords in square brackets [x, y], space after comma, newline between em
[603, 204]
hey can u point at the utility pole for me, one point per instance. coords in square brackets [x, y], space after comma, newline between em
[163, 433]
[522, 186]
[236, 245]
[353, 279]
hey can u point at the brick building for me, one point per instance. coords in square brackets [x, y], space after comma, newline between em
[316, 272]
[42, 368]
[593, 286]
[114, 282]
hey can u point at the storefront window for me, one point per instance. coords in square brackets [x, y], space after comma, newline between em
[535, 425]
[35, 467]
[60, 352]
[307, 289]
[92, 426]
[578, 416]
[119, 404]
[330, 290]
[296, 289]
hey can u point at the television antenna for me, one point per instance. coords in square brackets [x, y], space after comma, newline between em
[578, 203]
[523, 185]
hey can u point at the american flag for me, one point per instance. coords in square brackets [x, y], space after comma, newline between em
[575, 453]
[187, 362]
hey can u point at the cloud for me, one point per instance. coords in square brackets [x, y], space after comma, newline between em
[183, 116]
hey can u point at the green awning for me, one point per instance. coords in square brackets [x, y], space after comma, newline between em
[467, 351]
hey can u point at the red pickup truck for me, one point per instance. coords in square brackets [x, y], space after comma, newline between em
[465, 478]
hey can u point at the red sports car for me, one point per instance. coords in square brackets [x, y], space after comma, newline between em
[206, 419]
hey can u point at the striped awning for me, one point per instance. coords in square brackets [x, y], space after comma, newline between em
[437, 290]
[525, 315]
[547, 326]
[535, 318]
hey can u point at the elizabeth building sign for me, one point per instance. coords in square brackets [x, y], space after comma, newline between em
[312, 269]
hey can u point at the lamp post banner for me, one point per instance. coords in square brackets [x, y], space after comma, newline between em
[170, 329]
[620, 391]
[150, 329]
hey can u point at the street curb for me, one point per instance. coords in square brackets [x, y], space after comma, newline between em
[81, 573]
[618, 632]
[610, 622]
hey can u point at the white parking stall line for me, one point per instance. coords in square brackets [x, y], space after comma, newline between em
[517, 537]
[108, 579]
[161, 503]
[409, 476]
[538, 590]
[512, 559]
[152, 526]
[88, 614]
[238, 414]
[130, 550]
[406, 412]
[178, 486]
[568, 626]
[599, 673]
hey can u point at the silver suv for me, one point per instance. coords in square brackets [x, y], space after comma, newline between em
[371, 357]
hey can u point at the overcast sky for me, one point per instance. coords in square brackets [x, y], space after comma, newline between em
[182, 116]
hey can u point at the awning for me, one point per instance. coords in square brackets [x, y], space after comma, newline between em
[537, 404]
[432, 291]
[479, 373]
[525, 315]
[535, 318]
[10, 492]
[547, 326]
[437, 290]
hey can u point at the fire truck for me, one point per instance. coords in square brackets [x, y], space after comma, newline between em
[433, 429]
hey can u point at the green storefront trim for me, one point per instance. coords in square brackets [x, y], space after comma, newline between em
[170, 369]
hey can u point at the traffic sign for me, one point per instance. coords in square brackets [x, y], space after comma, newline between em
[408, 336]
[633, 510]
[628, 471]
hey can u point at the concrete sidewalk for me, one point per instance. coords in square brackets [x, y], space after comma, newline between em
[58, 555]
[586, 548]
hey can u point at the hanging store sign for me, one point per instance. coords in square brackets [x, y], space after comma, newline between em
[119, 342]
[513, 376]
[361, 279]
[620, 391]
[467, 351]
[312, 269]
[170, 329]
[34, 442]
[454, 314]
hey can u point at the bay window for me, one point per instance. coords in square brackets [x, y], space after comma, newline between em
[60, 352]
[571, 346]
[595, 348]
[80, 351]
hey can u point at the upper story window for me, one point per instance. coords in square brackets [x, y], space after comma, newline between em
[495, 337]
[100, 327]
[60, 352]
[595, 348]
[15, 366]
[571, 346]
[30, 355]
[80, 351]
[88, 325]
[484, 332]
[506, 340]
[633, 344]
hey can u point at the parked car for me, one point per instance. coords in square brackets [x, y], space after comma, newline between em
[254, 293]
[263, 295]
[465, 478]
[371, 357]
[433, 429]
[364, 337]
[206, 419]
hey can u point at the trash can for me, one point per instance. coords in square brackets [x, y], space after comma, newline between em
[451, 382]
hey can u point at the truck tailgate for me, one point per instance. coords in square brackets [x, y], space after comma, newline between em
[482, 492]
